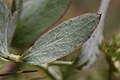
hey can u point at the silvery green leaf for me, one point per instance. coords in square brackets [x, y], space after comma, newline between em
[14, 19]
[62, 40]
[36, 17]
[4, 22]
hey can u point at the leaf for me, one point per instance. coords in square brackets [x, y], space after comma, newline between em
[55, 71]
[36, 17]
[4, 22]
[62, 40]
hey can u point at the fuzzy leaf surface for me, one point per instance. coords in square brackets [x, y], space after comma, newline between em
[62, 40]
[36, 17]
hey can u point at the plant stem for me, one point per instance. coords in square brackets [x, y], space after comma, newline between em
[102, 10]
[18, 72]
[30, 71]
[67, 63]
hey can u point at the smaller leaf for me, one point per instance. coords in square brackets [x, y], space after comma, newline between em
[55, 71]
[62, 40]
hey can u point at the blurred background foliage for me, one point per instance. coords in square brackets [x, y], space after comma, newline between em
[100, 70]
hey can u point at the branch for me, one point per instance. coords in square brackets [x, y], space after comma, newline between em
[18, 72]
[102, 10]
[67, 63]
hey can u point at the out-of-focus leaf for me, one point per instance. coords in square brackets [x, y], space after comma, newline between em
[8, 3]
[111, 49]
[36, 17]
[14, 18]
[62, 40]
[55, 71]
[4, 22]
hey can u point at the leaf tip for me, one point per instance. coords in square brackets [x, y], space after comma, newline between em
[99, 14]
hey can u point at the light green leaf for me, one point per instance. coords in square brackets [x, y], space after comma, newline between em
[4, 22]
[37, 16]
[55, 71]
[62, 40]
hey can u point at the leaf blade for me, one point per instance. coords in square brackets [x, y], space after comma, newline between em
[4, 21]
[62, 40]
[36, 19]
